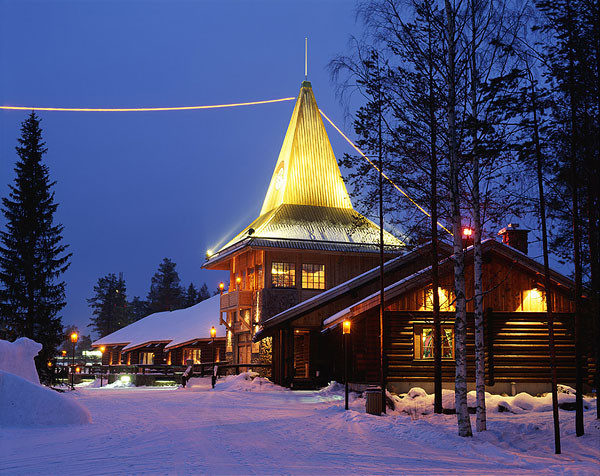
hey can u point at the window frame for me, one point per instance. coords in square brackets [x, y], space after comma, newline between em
[289, 273]
[189, 352]
[418, 342]
[305, 272]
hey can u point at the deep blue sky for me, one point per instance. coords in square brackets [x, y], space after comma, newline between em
[136, 187]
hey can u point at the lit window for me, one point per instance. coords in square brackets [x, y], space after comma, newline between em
[192, 354]
[534, 300]
[259, 277]
[313, 276]
[446, 298]
[146, 358]
[283, 275]
[423, 342]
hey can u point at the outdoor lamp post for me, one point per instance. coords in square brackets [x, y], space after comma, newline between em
[213, 334]
[73, 341]
[221, 287]
[346, 333]
[102, 349]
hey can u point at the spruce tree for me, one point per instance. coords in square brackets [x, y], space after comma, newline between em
[138, 308]
[165, 293]
[32, 253]
[109, 305]
[203, 293]
[191, 295]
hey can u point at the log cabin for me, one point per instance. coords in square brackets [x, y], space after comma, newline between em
[307, 338]
[167, 338]
[306, 239]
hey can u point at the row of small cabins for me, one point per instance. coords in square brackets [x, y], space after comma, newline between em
[310, 261]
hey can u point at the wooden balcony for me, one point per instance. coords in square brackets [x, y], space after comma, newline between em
[235, 300]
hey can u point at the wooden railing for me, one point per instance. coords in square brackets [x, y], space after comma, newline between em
[202, 370]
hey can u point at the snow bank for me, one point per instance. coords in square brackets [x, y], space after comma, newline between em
[17, 358]
[418, 402]
[247, 382]
[26, 404]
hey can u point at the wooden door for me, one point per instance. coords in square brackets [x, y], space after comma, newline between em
[301, 353]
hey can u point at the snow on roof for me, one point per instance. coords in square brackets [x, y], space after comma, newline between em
[173, 327]
[333, 320]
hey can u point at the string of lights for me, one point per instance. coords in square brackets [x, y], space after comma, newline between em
[142, 109]
[218, 106]
[377, 168]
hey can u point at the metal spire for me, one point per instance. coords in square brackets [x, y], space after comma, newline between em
[306, 58]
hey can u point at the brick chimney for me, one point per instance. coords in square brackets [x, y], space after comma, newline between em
[514, 237]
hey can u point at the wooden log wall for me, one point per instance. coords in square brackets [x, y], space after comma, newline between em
[516, 348]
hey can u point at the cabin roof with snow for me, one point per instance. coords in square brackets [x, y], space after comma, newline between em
[330, 299]
[307, 205]
[423, 277]
[174, 328]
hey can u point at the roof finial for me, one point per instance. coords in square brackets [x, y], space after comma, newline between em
[305, 58]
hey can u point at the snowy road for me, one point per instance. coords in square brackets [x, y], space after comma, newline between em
[198, 431]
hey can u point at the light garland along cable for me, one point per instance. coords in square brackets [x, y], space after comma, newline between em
[141, 109]
[217, 106]
[383, 174]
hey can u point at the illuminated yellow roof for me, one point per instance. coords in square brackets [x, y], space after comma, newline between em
[306, 172]
[307, 205]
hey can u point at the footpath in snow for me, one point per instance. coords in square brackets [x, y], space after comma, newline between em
[248, 425]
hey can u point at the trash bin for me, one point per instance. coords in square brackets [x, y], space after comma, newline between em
[373, 405]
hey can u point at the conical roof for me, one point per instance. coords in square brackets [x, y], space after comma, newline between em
[306, 172]
[307, 205]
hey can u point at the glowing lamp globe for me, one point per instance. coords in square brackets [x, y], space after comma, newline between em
[213, 332]
[74, 337]
[346, 326]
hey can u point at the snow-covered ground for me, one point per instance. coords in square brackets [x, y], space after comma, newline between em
[269, 430]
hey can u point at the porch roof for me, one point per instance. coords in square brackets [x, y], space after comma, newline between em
[331, 294]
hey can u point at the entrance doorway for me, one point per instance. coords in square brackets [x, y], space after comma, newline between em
[301, 353]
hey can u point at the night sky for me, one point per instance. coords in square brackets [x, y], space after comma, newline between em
[134, 188]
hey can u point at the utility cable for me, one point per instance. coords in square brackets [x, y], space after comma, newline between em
[141, 109]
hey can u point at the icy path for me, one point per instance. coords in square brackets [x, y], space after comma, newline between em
[198, 431]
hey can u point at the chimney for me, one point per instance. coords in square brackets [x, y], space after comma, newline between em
[514, 237]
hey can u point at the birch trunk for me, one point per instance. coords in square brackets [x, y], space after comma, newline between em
[480, 424]
[460, 332]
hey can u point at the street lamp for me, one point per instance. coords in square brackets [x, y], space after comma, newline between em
[221, 287]
[73, 341]
[213, 334]
[346, 336]
[102, 349]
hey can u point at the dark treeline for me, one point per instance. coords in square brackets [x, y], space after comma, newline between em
[485, 113]
[112, 310]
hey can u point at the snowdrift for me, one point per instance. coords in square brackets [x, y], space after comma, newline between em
[17, 358]
[26, 404]
[247, 382]
[418, 402]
